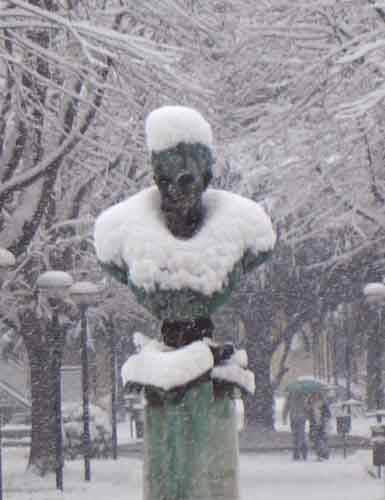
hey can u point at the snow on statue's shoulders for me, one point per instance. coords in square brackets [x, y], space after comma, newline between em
[168, 369]
[133, 232]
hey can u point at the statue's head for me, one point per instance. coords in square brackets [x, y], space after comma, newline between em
[180, 143]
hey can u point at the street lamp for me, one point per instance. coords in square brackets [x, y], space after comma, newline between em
[7, 260]
[85, 294]
[113, 382]
[54, 286]
[375, 295]
[344, 314]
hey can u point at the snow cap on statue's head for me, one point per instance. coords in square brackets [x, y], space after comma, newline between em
[168, 126]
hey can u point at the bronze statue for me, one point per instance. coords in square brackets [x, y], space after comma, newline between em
[182, 248]
[182, 160]
[182, 174]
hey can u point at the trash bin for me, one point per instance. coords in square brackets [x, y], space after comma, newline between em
[378, 444]
[138, 416]
[344, 424]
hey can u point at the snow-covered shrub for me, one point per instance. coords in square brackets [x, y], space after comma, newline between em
[100, 431]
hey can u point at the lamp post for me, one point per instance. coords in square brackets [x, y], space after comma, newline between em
[85, 294]
[7, 260]
[345, 325]
[113, 380]
[375, 295]
[54, 285]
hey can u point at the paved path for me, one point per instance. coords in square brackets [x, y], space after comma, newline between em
[276, 477]
[253, 440]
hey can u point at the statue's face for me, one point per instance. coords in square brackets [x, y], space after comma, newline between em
[182, 174]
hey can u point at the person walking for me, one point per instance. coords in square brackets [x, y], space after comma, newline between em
[296, 408]
[319, 415]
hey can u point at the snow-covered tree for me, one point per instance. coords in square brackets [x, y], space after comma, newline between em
[308, 84]
[294, 92]
[303, 89]
[76, 81]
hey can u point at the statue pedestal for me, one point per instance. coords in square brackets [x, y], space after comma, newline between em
[191, 446]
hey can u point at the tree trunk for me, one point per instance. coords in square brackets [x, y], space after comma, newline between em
[260, 406]
[45, 355]
[374, 367]
[43, 395]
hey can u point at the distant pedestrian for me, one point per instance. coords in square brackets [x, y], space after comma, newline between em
[297, 409]
[319, 417]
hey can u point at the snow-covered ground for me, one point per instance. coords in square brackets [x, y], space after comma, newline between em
[269, 476]
[276, 477]
[262, 477]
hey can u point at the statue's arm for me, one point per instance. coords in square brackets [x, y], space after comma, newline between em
[250, 261]
[117, 272]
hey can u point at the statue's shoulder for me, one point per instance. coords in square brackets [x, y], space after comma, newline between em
[142, 200]
[116, 223]
[247, 220]
[112, 223]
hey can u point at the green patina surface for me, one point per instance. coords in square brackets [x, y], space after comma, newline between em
[223, 445]
[191, 449]
[186, 304]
